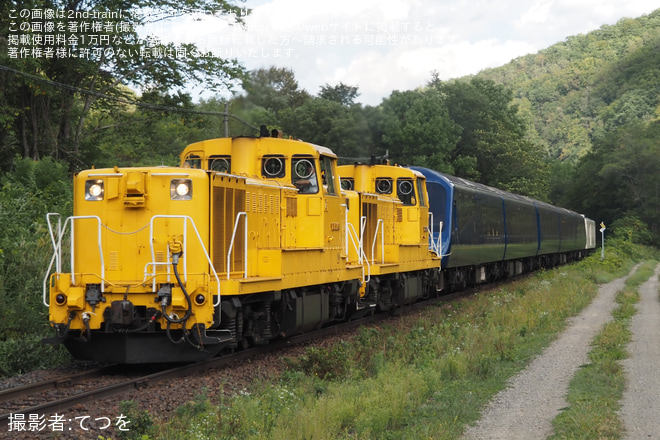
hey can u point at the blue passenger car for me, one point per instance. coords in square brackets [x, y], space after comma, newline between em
[484, 233]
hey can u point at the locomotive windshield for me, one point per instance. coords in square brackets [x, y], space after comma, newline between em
[327, 175]
[405, 190]
[303, 175]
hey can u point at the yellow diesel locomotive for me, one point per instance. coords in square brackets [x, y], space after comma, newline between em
[248, 240]
[393, 214]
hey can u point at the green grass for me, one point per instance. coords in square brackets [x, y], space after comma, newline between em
[426, 377]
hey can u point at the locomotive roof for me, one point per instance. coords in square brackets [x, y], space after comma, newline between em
[225, 145]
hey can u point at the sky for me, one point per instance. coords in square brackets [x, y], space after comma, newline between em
[384, 45]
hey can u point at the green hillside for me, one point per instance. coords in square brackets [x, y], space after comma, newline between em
[587, 85]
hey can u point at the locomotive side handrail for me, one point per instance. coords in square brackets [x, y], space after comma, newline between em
[231, 246]
[379, 225]
[358, 246]
[435, 246]
[185, 246]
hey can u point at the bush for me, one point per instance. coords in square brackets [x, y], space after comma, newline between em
[19, 356]
[632, 229]
[325, 363]
[27, 193]
[140, 425]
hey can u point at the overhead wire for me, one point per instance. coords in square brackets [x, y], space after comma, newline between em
[122, 100]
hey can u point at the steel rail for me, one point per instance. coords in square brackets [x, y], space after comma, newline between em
[18, 392]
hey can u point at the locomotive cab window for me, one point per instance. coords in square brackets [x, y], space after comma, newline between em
[384, 185]
[272, 166]
[220, 164]
[328, 175]
[421, 192]
[193, 161]
[405, 190]
[303, 174]
[347, 183]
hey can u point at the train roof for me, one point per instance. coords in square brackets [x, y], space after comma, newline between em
[448, 180]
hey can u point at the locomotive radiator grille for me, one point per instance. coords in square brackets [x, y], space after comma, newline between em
[227, 203]
[370, 211]
[291, 207]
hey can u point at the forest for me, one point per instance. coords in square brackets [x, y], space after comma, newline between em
[576, 125]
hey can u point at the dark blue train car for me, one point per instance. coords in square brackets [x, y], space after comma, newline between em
[486, 234]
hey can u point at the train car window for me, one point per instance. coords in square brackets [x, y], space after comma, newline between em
[303, 175]
[420, 192]
[384, 185]
[193, 161]
[347, 183]
[220, 164]
[466, 220]
[273, 166]
[328, 175]
[405, 190]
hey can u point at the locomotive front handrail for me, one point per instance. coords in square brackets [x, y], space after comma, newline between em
[185, 245]
[57, 245]
[56, 253]
[231, 246]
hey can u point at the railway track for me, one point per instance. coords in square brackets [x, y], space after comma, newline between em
[21, 400]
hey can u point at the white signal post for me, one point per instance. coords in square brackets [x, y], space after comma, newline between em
[602, 241]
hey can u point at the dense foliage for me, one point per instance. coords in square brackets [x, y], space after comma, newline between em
[588, 85]
[66, 77]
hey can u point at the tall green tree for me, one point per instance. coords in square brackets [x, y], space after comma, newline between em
[273, 90]
[341, 93]
[621, 177]
[418, 130]
[493, 148]
[341, 128]
[68, 71]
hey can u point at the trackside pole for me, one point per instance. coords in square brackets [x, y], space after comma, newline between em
[602, 241]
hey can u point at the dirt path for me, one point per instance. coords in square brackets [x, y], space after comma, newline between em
[525, 410]
[641, 401]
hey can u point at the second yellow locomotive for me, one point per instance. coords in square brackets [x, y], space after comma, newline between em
[249, 240]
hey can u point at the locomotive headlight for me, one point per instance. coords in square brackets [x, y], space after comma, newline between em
[94, 190]
[60, 299]
[181, 189]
